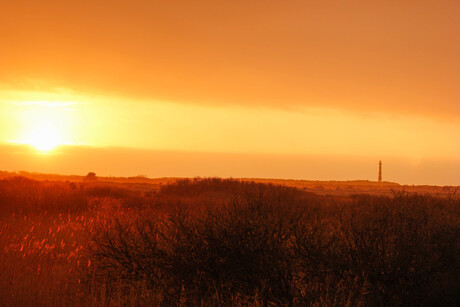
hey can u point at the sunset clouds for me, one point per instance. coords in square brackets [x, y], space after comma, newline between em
[330, 78]
[388, 57]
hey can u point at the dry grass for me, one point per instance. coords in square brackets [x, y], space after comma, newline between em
[223, 242]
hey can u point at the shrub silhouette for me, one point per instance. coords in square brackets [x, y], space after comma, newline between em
[212, 240]
[91, 176]
[240, 247]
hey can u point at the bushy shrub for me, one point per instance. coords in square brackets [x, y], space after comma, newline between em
[264, 244]
[242, 247]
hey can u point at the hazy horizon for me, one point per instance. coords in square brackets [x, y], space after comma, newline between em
[129, 162]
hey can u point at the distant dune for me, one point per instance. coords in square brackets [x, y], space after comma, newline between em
[335, 188]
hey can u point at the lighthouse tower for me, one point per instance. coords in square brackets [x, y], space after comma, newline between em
[380, 171]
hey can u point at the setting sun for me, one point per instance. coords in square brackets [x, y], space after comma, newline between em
[41, 124]
[44, 137]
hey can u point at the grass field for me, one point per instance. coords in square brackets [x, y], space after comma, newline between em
[224, 243]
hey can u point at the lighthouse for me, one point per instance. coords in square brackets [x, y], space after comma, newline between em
[380, 171]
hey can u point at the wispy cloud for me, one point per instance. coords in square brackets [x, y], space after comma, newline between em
[51, 104]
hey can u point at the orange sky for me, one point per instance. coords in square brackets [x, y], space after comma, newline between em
[334, 80]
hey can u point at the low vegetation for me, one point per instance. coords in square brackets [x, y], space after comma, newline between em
[224, 243]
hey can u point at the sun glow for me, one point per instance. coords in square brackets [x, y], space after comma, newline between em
[44, 125]
[44, 137]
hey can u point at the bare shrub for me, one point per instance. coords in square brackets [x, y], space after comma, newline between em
[225, 242]
[241, 248]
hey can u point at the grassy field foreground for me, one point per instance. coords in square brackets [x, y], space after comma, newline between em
[224, 242]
